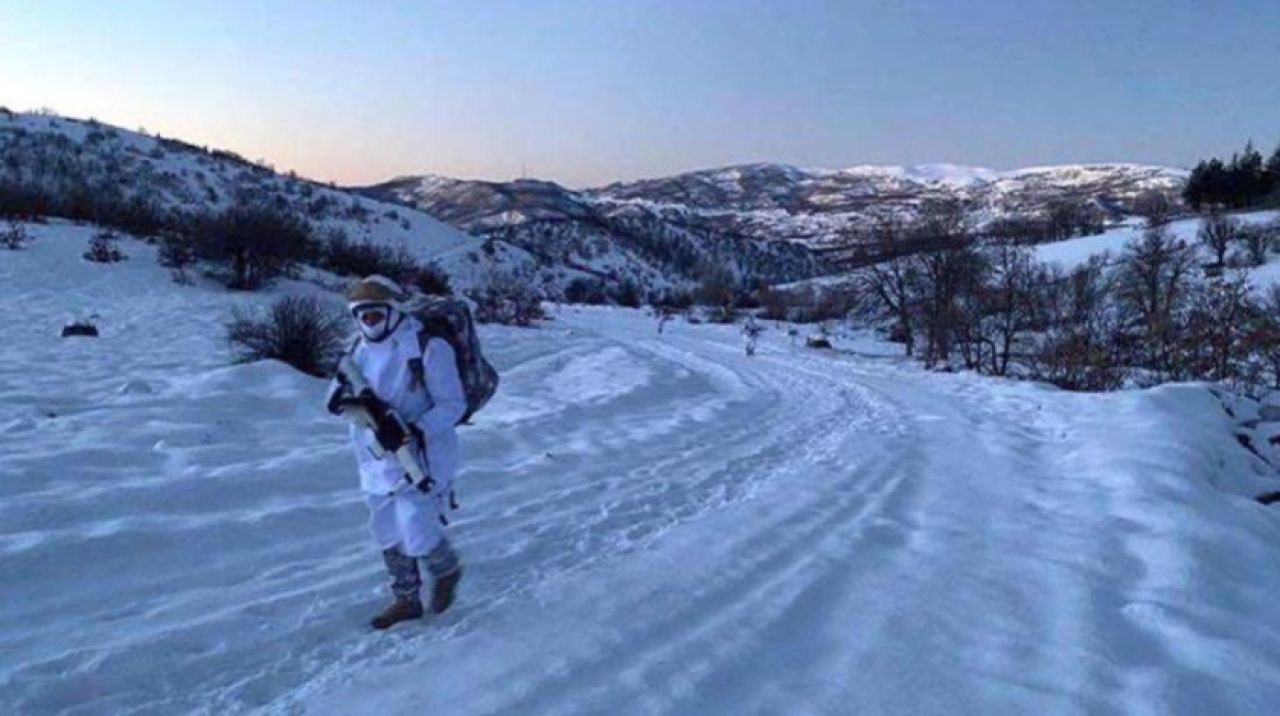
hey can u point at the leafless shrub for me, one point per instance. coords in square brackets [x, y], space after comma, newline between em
[1257, 242]
[300, 331]
[508, 300]
[104, 248]
[1080, 346]
[14, 237]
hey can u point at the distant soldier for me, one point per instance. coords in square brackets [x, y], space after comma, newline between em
[664, 315]
[751, 334]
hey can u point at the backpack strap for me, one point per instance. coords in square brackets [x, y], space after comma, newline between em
[417, 368]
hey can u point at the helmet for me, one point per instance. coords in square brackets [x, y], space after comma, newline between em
[376, 303]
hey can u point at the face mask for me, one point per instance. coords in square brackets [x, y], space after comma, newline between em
[374, 320]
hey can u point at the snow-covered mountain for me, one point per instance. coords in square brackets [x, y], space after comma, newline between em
[613, 241]
[823, 210]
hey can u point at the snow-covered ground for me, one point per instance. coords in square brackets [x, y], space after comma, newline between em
[1073, 252]
[651, 525]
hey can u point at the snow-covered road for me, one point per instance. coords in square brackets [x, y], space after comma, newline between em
[651, 525]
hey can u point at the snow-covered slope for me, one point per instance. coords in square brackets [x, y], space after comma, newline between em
[1074, 252]
[61, 166]
[762, 208]
[609, 241]
[61, 153]
[651, 525]
[829, 208]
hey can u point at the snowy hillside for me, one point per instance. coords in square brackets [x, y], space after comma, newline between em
[762, 214]
[58, 166]
[1074, 252]
[169, 175]
[827, 208]
[1071, 253]
[651, 525]
[611, 242]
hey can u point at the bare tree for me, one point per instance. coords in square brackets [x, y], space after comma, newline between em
[892, 282]
[718, 291]
[1080, 348]
[1153, 282]
[1264, 335]
[1012, 302]
[1217, 232]
[774, 304]
[1155, 206]
[1072, 215]
[944, 276]
[1219, 322]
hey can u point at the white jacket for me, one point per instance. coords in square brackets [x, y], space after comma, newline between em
[435, 410]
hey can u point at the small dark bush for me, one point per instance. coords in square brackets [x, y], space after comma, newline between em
[586, 290]
[430, 279]
[678, 299]
[103, 248]
[80, 328]
[176, 252]
[508, 300]
[341, 255]
[250, 245]
[14, 237]
[628, 294]
[1255, 242]
[300, 331]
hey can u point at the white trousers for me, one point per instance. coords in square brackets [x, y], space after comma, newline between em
[408, 521]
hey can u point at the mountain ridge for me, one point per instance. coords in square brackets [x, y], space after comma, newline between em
[826, 211]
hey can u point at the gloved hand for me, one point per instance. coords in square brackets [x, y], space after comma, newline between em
[388, 431]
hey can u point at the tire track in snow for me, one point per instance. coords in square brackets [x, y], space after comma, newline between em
[601, 516]
[798, 445]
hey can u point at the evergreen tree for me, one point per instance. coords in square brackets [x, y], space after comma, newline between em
[1272, 171]
[1250, 185]
[1194, 191]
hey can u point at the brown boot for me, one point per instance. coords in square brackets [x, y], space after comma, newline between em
[399, 611]
[442, 590]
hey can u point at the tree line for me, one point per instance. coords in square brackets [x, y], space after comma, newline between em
[1246, 180]
[1156, 312]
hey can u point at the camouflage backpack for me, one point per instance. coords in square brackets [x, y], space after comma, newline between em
[450, 319]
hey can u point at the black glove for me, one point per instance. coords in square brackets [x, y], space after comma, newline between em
[389, 433]
[335, 405]
[387, 430]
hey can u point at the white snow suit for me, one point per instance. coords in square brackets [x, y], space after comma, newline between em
[403, 518]
[750, 336]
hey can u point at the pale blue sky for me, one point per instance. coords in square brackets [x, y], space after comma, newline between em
[585, 92]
